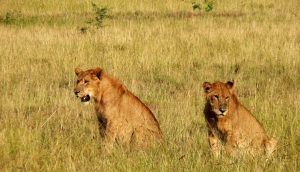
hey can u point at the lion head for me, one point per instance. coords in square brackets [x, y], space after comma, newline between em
[87, 83]
[218, 96]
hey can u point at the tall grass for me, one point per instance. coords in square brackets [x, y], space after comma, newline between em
[163, 52]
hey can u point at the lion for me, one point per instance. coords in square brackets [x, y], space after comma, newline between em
[232, 124]
[122, 117]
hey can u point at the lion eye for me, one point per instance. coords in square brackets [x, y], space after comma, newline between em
[85, 81]
[77, 81]
[227, 98]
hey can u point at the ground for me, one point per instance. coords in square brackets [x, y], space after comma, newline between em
[163, 52]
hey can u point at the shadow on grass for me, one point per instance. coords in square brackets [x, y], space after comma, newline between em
[174, 15]
[21, 20]
[18, 19]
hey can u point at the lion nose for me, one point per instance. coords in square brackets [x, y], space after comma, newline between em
[222, 110]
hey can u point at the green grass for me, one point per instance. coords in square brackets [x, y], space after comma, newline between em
[163, 52]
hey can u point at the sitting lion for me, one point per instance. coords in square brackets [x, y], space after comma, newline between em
[122, 117]
[230, 123]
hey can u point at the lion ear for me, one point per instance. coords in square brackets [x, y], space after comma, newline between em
[206, 86]
[78, 71]
[230, 85]
[98, 72]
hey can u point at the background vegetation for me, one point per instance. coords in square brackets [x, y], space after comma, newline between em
[162, 51]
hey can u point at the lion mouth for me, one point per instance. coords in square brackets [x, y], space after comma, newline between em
[85, 98]
[220, 113]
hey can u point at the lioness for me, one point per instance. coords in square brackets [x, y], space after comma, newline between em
[230, 123]
[122, 117]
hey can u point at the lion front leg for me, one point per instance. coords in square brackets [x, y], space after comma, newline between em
[213, 143]
[110, 136]
[231, 144]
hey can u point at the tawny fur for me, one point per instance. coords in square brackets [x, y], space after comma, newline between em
[122, 117]
[231, 124]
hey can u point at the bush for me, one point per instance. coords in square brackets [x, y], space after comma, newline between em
[10, 17]
[206, 5]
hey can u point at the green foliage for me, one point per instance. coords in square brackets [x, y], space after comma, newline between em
[207, 5]
[196, 6]
[10, 17]
[101, 13]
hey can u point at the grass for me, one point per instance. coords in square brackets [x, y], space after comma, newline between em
[163, 52]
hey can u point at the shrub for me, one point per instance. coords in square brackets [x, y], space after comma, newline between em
[207, 5]
[10, 17]
[101, 13]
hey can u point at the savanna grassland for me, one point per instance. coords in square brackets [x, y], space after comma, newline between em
[162, 51]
